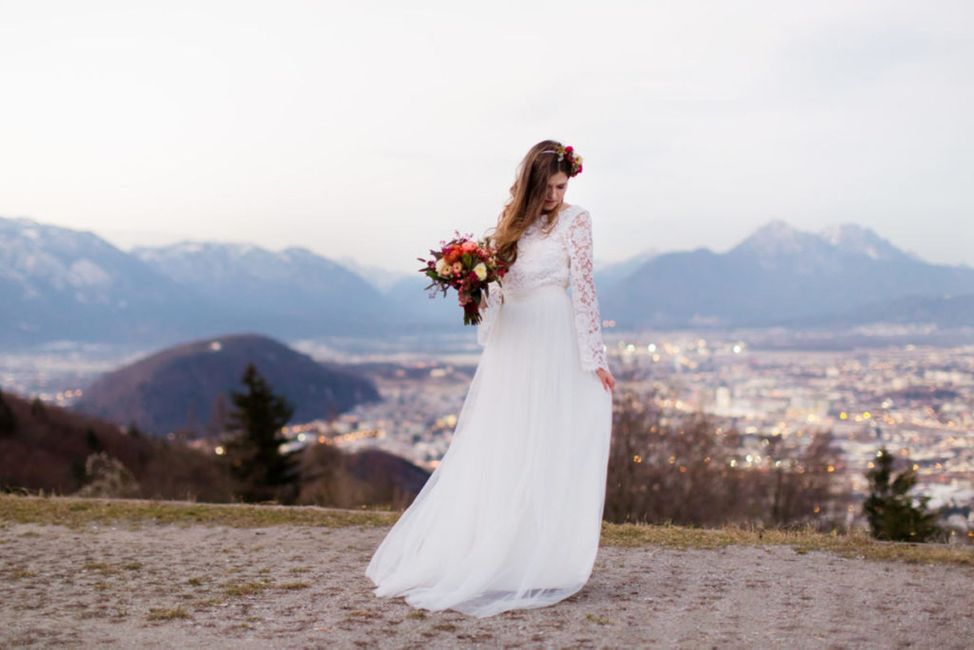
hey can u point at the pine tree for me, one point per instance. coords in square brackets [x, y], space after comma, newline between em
[889, 508]
[91, 439]
[254, 451]
[8, 421]
[37, 408]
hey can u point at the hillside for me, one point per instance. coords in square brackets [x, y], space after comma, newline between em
[48, 446]
[185, 388]
[94, 572]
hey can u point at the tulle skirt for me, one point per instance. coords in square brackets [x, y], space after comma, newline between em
[511, 516]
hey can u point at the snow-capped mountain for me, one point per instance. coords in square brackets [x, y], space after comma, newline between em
[57, 283]
[858, 240]
[224, 265]
[61, 283]
[777, 239]
[290, 293]
[39, 259]
[778, 275]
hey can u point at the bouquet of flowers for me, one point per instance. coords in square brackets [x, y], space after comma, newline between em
[467, 265]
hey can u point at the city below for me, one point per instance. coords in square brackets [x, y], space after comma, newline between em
[916, 400]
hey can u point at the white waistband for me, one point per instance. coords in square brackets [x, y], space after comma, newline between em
[524, 292]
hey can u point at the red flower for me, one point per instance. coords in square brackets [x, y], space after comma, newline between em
[465, 281]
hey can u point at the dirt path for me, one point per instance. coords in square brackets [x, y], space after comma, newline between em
[212, 586]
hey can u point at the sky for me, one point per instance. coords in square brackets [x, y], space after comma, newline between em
[373, 130]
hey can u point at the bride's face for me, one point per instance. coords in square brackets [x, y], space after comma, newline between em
[555, 192]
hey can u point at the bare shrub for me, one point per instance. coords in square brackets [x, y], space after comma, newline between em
[107, 477]
[686, 469]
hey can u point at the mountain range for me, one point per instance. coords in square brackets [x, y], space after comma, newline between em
[787, 277]
[57, 283]
[291, 293]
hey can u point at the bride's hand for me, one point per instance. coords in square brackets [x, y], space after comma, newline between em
[608, 381]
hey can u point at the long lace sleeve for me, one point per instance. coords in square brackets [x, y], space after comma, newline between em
[588, 321]
[489, 314]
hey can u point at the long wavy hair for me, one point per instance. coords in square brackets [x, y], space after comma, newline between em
[527, 199]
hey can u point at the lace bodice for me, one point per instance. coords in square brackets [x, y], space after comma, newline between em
[562, 257]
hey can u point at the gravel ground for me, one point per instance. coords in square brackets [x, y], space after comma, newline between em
[293, 586]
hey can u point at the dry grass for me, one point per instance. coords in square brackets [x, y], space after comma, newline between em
[600, 620]
[856, 544]
[77, 512]
[243, 589]
[166, 614]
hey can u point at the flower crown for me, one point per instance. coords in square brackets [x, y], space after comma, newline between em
[573, 158]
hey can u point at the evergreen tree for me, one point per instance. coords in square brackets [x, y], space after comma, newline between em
[37, 408]
[91, 439]
[254, 452]
[889, 508]
[8, 421]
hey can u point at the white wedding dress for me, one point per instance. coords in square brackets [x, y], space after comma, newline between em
[511, 516]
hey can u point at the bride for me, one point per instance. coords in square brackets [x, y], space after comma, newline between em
[511, 516]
